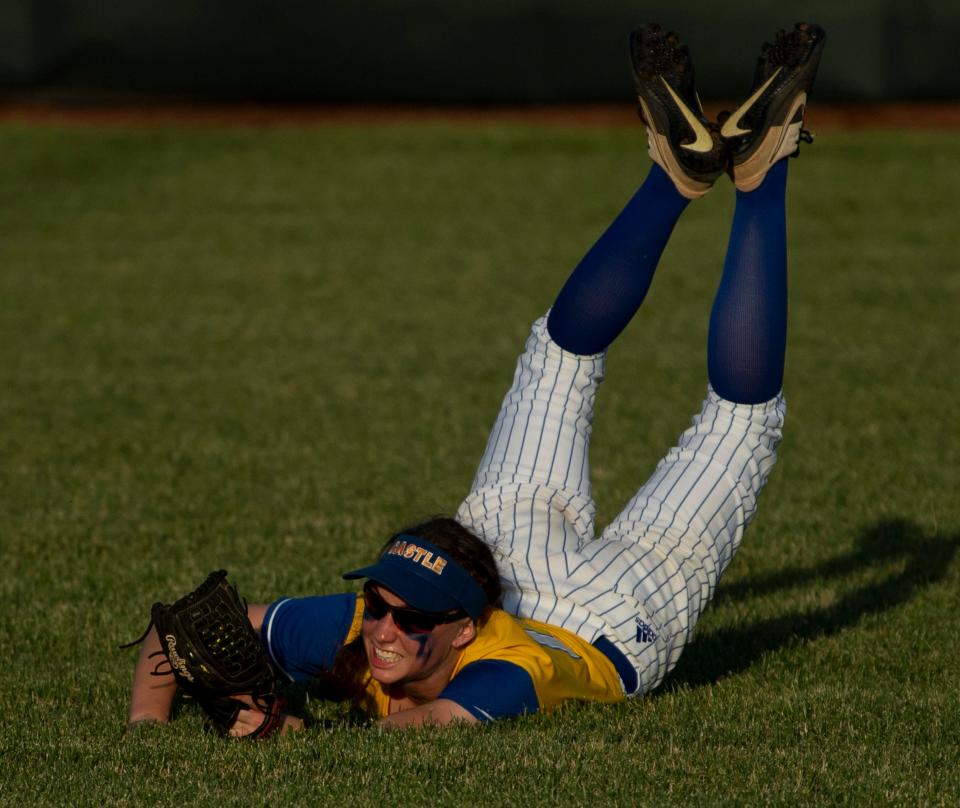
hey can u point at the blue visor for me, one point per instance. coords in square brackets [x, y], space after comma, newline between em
[425, 576]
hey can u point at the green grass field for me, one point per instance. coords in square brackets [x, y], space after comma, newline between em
[266, 349]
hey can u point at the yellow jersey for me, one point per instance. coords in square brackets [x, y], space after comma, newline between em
[513, 666]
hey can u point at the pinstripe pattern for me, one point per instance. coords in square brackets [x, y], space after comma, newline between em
[644, 582]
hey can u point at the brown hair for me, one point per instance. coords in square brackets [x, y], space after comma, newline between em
[347, 677]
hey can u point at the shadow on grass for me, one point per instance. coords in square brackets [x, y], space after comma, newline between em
[729, 650]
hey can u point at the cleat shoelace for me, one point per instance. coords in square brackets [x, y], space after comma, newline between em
[806, 136]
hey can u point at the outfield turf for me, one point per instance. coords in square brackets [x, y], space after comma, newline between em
[265, 350]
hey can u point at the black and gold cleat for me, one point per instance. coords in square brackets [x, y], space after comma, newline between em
[768, 126]
[680, 139]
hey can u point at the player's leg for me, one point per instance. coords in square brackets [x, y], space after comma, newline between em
[531, 496]
[533, 482]
[608, 286]
[666, 551]
[611, 282]
[748, 323]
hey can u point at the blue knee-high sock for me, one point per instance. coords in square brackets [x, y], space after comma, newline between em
[611, 281]
[748, 324]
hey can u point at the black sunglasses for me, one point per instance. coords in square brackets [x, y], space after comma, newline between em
[405, 618]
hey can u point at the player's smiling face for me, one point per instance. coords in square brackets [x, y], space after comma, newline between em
[419, 662]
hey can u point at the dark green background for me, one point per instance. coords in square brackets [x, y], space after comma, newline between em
[451, 50]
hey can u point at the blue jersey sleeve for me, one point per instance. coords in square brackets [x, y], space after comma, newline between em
[303, 635]
[491, 689]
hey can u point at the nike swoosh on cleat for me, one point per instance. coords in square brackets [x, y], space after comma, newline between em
[731, 127]
[703, 142]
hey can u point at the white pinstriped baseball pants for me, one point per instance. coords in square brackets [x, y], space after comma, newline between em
[644, 582]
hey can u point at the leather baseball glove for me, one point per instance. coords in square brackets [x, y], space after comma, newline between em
[216, 656]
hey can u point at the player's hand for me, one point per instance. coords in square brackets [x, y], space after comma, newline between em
[251, 717]
[248, 719]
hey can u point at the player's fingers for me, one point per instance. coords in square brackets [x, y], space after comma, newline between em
[247, 721]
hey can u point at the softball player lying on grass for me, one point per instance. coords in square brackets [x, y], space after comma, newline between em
[514, 606]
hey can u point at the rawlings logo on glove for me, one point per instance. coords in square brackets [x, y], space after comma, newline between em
[177, 662]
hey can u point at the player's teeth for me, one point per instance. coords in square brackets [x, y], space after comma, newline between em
[386, 656]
